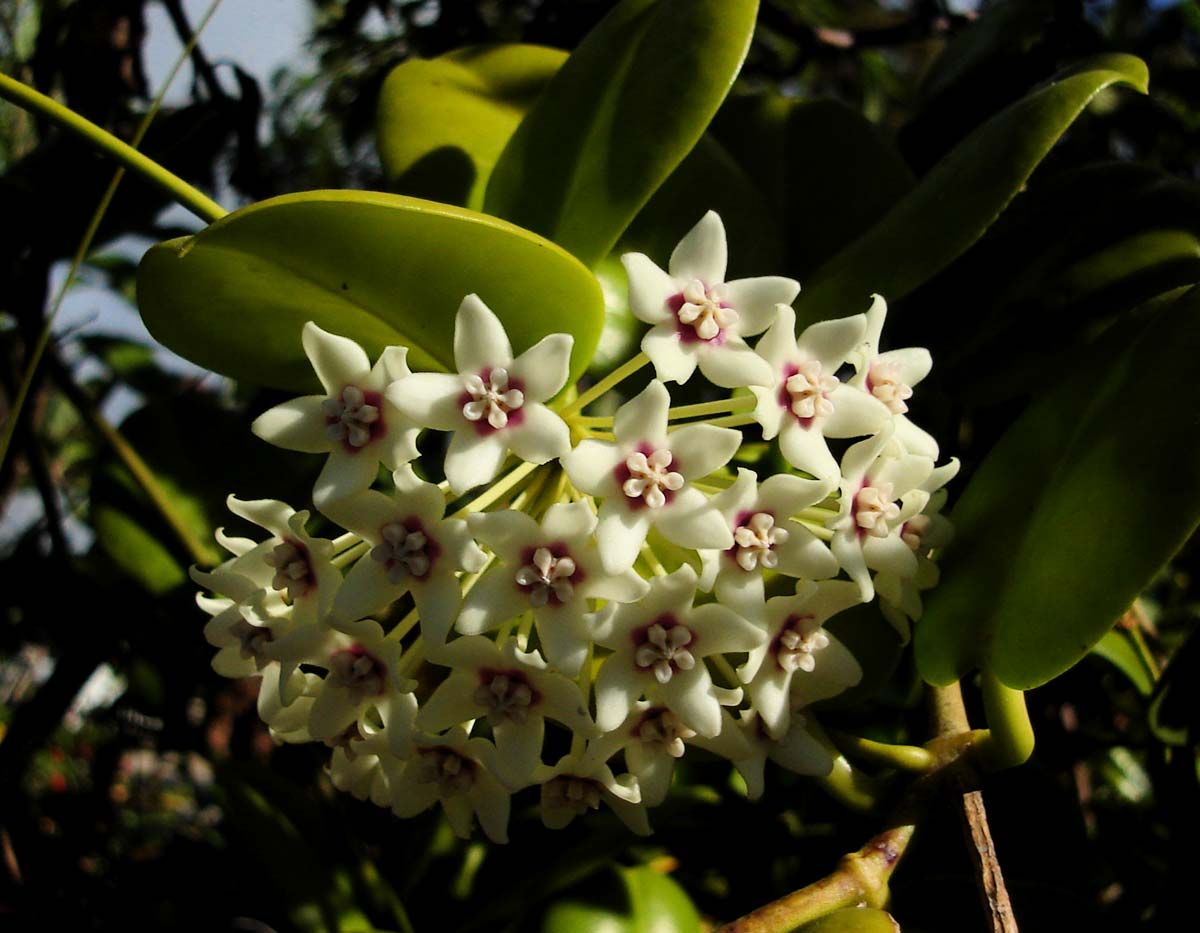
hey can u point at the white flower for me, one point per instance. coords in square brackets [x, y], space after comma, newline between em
[653, 738]
[698, 317]
[926, 532]
[458, 772]
[659, 645]
[643, 479]
[361, 666]
[295, 567]
[514, 692]
[797, 751]
[764, 538]
[554, 570]
[494, 403]
[800, 662]
[881, 490]
[803, 402]
[364, 749]
[414, 550]
[890, 377]
[352, 421]
[579, 783]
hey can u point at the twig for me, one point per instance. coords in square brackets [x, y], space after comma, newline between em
[992, 889]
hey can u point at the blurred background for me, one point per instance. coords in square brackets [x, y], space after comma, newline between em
[138, 790]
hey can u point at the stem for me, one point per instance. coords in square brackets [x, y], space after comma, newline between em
[1010, 740]
[85, 244]
[861, 879]
[737, 403]
[730, 421]
[901, 757]
[652, 561]
[342, 542]
[497, 489]
[133, 462]
[404, 626]
[618, 375]
[352, 554]
[193, 199]
[851, 787]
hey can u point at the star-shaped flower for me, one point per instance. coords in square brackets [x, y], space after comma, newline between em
[698, 317]
[643, 479]
[494, 403]
[890, 378]
[765, 539]
[579, 783]
[353, 421]
[514, 692]
[800, 662]
[413, 549]
[881, 490]
[797, 751]
[659, 645]
[458, 772]
[553, 569]
[804, 402]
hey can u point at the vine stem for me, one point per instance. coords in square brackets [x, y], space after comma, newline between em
[11, 89]
[1010, 739]
[618, 375]
[192, 198]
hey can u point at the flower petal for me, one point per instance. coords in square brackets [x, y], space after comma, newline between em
[671, 357]
[473, 459]
[691, 521]
[543, 368]
[805, 448]
[590, 467]
[620, 535]
[480, 341]
[702, 253]
[688, 694]
[338, 361]
[541, 436]
[756, 300]
[432, 400]
[438, 597]
[298, 424]
[649, 288]
[344, 474]
[699, 449]
[722, 631]
[733, 365]
[855, 413]
[618, 685]
[507, 532]
[568, 521]
[644, 417]
[831, 342]
[492, 601]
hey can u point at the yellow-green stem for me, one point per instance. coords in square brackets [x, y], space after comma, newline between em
[618, 375]
[350, 555]
[738, 403]
[902, 757]
[497, 489]
[404, 626]
[1010, 734]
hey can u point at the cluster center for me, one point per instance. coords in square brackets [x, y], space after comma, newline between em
[663, 649]
[755, 541]
[703, 311]
[403, 551]
[547, 578]
[350, 417]
[491, 398]
[651, 478]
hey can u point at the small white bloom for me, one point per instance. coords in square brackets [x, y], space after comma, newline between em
[514, 692]
[800, 662]
[796, 751]
[925, 533]
[765, 538]
[353, 421]
[494, 403]
[578, 784]
[414, 550]
[457, 772]
[364, 750]
[698, 318]
[552, 569]
[803, 402]
[658, 646]
[643, 477]
[881, 490]
[890, 377]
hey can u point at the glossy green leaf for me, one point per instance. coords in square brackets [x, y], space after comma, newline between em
[637, 900]
[962, 195]
[1117, 648]
[853, 920]
[827, 172]
[381, 269]
[1071, 514]
[619, 116]
[443, 122]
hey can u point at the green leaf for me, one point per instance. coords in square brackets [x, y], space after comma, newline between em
[828, 173]
[962, 195]
[1117, 648]
[637, 900]
[853, 920]
[443, 122]
[1068, 518]
[619, 116]
[381, 269]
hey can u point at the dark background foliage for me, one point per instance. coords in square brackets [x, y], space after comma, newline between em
[169, 806]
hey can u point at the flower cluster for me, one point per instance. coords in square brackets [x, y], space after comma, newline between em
[583, 597]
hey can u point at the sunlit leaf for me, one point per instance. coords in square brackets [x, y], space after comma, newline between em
[379, 268]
